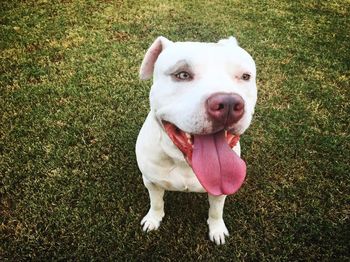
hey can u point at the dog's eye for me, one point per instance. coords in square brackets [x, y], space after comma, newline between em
[183, 75]
[245, 77]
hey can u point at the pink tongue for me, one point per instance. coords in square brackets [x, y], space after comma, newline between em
[220, 170]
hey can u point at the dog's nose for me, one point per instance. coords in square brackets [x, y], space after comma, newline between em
[225, 108]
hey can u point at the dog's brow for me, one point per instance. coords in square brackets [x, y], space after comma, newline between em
[181, 65]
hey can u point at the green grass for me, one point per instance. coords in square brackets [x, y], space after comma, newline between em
[72, 105]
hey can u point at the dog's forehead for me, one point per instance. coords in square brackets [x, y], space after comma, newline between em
[205, 53]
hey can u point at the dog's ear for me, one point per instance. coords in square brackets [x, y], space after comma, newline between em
[147, 66]
[229, 41]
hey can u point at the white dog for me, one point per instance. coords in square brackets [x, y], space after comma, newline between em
[202, 98]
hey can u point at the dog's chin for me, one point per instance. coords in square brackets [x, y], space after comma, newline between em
[184, 141]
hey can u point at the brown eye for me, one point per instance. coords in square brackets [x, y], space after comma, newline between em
[245, 77]
[183, 75]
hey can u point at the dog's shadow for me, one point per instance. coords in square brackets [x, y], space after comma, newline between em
[185, 208]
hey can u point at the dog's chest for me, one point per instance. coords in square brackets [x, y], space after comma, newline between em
[180, 178]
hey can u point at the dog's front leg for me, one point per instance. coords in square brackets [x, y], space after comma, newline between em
[217, 227]
[156, 212]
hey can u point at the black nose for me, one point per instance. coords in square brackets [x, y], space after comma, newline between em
[224, 108]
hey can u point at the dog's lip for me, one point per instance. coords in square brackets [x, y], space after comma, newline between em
[184, 141]
[232, 131]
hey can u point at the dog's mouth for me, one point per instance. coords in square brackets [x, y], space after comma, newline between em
[219, 169]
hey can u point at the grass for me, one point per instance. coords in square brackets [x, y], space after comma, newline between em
[72, 106]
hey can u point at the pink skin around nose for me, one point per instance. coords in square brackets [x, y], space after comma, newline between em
[225, 109]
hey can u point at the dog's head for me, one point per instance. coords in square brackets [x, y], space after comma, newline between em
[204, 92]
[201, 88]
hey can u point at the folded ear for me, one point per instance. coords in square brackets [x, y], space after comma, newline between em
[229, 41]
[147, 66]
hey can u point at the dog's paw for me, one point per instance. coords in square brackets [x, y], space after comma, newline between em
[217, 231]
[151, 221]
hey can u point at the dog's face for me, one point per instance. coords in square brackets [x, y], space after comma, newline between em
[193, 80]
[203, 96]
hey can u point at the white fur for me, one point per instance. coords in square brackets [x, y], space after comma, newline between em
[217, 67]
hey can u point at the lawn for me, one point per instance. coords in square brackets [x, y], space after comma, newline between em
[72, 106]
